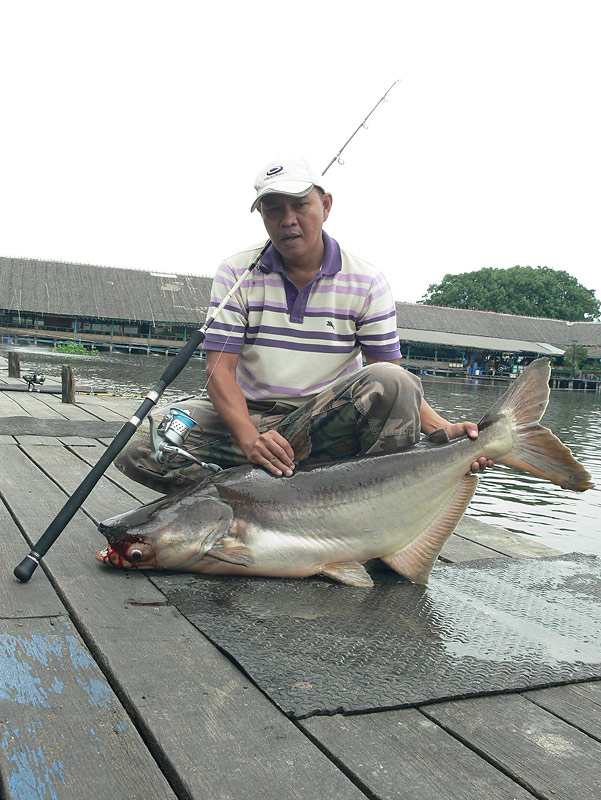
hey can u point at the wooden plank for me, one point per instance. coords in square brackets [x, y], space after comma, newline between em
[9, 407]
[546, 755]
[205, 721]
[65, 734]
[504, 542]
[17, 599]
[106, 499]
[32, 439]
[78, 441]
[91, 452]
[578, 704]
[401, 754]
[96, 407]
[67, 410]
[6, 439]
[457, 550]
[36, 407]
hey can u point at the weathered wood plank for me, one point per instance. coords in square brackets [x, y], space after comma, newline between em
[504, 542]
[17, 599]
[68, 471]
[401, 754]
[210, 726]
[578, 704]
[457, 550]
[548, 756]
[6, 439]
[115, 409]
[69, 411]
[65, 734]
[91, 452]
[26, 439]
[32, 403]
[9, 407]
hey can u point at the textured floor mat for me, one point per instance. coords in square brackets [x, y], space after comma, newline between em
[317, 647]
[21, 426]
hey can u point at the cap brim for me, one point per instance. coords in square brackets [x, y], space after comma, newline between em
[290, 188]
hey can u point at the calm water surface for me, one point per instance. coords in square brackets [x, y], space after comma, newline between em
[515, 500]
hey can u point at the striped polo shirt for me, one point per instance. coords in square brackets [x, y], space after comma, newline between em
[294, 344]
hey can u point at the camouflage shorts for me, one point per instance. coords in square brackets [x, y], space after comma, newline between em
[374, 410]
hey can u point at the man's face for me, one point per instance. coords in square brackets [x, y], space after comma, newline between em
[294, 224]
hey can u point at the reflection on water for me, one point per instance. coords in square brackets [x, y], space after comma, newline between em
[515, 500]
[520, 502]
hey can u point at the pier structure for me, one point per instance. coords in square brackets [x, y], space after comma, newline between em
[109, 692]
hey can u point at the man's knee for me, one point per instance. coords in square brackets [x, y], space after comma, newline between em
[391, 378]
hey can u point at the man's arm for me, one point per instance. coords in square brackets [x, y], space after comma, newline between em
[268, 449]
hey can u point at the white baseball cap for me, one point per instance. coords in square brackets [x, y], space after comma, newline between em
[291, 175]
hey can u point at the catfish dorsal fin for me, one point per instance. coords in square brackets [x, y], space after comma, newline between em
[417, 559]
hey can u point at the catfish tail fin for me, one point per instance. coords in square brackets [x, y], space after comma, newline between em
[537, 449]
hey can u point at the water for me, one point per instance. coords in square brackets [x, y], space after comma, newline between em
[519, 502]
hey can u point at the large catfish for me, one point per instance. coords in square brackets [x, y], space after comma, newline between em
[330, 519]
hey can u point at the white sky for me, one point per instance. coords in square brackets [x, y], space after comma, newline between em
[131, 131]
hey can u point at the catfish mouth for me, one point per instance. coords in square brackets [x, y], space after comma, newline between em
[130, 552]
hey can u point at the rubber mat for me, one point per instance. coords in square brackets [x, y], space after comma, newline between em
[316, 647]
[93, 429]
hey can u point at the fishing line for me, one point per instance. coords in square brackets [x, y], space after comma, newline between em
[29, 564]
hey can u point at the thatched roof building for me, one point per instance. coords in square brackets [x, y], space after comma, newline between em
[35, 287]
[82, 290]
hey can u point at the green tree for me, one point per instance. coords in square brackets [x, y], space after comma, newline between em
[574, 357]
[527, 291]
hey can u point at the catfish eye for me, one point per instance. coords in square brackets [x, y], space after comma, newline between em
[135, 555]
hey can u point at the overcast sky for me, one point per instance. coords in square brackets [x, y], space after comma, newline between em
[131, 131]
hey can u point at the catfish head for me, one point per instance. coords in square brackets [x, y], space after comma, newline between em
[170, 533]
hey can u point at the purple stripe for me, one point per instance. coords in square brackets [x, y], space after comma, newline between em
[268, 307]
[222, 348]
[385, 353]
[376, 318]
[308, 348]
[378, 336]
[221, 326]
[299, 334]
[352, 290]
[236, 309]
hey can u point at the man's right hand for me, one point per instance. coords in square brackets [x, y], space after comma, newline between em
[272, 451]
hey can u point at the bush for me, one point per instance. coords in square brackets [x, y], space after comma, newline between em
[75, 348]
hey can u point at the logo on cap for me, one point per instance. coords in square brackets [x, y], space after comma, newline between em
[273, 171]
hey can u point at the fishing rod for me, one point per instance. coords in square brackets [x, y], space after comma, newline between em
[27, 567]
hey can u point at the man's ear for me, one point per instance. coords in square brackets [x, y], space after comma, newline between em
[326, 203]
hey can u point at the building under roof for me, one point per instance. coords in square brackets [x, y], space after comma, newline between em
[85, 291]
[491, 331]
[41, 288]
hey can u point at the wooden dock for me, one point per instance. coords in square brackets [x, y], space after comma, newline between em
[107, 691]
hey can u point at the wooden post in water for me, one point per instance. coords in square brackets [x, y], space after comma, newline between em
[14, 365]
[68, 384]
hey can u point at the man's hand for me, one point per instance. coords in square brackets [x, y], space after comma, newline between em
[272, 451]
[457, 429]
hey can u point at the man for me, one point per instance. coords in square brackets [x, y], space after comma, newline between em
[286, 352]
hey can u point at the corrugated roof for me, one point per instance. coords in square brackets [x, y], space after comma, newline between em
[478, 342]
[54, 287]
[82, 290]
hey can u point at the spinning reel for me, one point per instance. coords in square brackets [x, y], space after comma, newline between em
[167, 440]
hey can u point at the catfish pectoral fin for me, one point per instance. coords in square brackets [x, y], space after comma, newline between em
[415, 561]
[350, 572]
[233, 551]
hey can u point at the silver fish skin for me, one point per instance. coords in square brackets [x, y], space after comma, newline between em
[330, 519]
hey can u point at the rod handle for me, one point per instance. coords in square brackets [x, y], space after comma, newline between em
[27, 567]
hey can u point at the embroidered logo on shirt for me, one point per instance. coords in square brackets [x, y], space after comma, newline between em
[330, 323]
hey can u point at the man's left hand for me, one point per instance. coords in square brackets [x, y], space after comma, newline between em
[457, 429]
